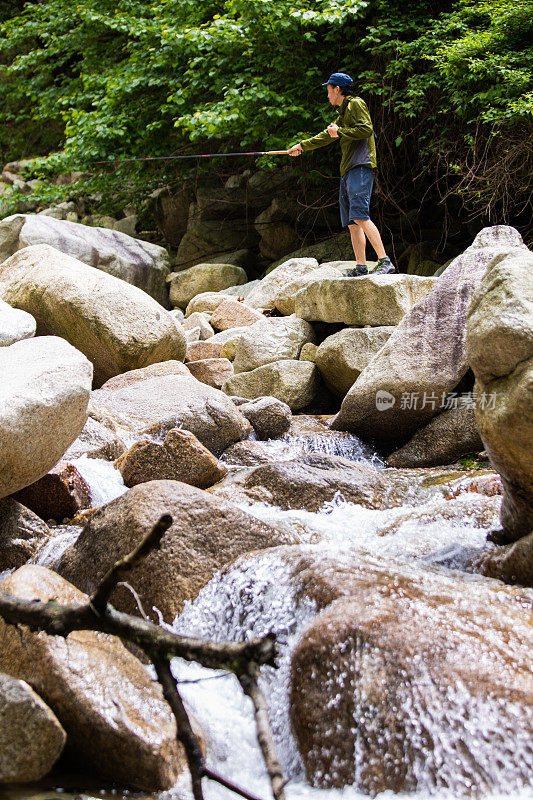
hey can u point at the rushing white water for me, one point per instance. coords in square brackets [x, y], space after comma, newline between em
[104, 481]
[256, 598]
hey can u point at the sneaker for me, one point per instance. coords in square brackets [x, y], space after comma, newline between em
[360, 269]
[384, 267]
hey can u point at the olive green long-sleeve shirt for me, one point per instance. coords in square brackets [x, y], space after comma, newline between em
[356, 135]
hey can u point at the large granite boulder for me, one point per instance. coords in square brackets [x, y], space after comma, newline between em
[158, 370]
[31, 736]
[205, 301]
[156, 405]
[343, 356]
[408, 381]
[296, 383]
[96, 441]
[500, 352]
[202, 278]
[211, 371]
[447, 437]
[140, 263]
[112, 710]
[271, 339]
[265, 293]
[116, 325]
[15, 325]
[512, 563]
[269, 417]
[21, 534]
[43, 407]
[206, 533]
[285, 298]
[369, 300]
[410, 679]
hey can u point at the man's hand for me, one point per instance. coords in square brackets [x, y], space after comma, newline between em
[333, 130]
[295, 150]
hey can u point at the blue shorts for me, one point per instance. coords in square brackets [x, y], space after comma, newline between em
[354, 194]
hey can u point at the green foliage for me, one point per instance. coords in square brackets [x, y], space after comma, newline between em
[94, 79]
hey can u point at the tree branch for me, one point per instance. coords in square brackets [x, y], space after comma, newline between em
[160, 645]
[251, 688]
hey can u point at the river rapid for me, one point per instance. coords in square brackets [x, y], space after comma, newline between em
[431, 538]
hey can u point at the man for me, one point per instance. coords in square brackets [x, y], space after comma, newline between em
[353, 129]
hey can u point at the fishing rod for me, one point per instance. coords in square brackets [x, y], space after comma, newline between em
[194, 155]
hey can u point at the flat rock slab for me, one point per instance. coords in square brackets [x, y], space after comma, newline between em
[140, 263]
[44, 396]
[156, 405]
[101, 693]
[117, 326]
[264, 294]
[369, 300]
[31, 736]
[295, 383]
[207, 532]
[15, 325]
[285, 298]
[405, 384]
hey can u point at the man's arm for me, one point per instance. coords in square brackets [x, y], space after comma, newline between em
[357, 122]
[320, 140]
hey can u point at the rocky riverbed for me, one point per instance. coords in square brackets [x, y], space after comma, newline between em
[348, 464]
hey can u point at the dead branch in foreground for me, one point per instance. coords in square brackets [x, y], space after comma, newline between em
[160, 645]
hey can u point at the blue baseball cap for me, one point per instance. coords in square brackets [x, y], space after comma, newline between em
[339, 79]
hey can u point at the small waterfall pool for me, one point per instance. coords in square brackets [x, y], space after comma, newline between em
[428, 538]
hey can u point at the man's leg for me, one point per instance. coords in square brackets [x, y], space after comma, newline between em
[367, 227]
[358, 242]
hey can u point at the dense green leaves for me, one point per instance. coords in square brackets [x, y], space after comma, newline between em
[99, 79]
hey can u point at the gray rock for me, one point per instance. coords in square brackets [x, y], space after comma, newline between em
[295, 383]
[96, 441]
[198, 320]
[343, 356]
[15, 325]
[157, 404]
[285, 298]
[500, 352]
[21, 534]
[269, 417]
[137, 262]
[271, 339]
[202, 278]
[117, 326]
[265, 293]
[43, 407]
[449, 436]
[31, 736]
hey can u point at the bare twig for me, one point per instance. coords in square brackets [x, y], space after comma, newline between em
[186, 735]
[264, 734]
[160, 645]
[108, 583]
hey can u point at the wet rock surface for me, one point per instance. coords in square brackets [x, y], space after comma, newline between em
[101, 694]
[31, 736]
[207, 532]
[21, 534]
[59, 494]
[156, 405]
[385, 680]
[180, 457]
